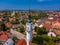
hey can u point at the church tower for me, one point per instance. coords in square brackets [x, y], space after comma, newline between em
[29, 29]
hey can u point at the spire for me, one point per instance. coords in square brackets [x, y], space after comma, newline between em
[29, 16]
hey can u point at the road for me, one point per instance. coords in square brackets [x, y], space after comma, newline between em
[18, 34]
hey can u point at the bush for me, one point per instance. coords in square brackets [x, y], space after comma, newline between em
[40, 31]
[42, 14]
[20, 29]
[23, 22]
[2, 26]
[45, 40]
[38, 39]
[15, 22]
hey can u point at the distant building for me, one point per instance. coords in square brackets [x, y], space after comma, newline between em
[22, 42]
[51, 34]
[57, 32]
[47, 26]
[9, 42]
[56, 24]
[54, 33]
[5, 38]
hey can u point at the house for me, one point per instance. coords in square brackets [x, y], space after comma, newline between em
[50, 18]
[56, 24]
[51, 34]
[1, 18]
[22, 42]
[9, 42]
[41, 25]
[5, 38]
[54, 33]
[47, 26]
[12, 19]
[8, 24]
[16, 26]
[57, 32]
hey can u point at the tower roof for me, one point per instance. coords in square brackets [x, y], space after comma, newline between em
[29, 16]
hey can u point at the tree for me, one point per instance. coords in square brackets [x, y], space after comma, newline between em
[15, 15]
[2, 26]
[41, 30]
[44, 40]
[20, 29]
[42, 14]
[50, 42]
[35, 17]
[15, 22]
[23, 22]
[38, 39]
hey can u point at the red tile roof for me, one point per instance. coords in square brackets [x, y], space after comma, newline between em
[56, 21]
[8, 24]
[22, 42]
[56, 24]
[57, 32]
[4, 36]
[12, 19]
[47, 25]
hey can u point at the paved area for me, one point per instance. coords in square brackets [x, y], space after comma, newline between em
[18, 34]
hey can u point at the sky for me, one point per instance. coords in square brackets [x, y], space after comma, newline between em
[33, 4]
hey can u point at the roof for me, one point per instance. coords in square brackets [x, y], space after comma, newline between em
[56, 21]
[47, 25]
[57, 32]
[12, 19]
[9, 42]
[56, 24]
[22, 42]
[8, 24]
[4, 36]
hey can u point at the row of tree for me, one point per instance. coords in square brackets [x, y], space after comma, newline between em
[40, 15]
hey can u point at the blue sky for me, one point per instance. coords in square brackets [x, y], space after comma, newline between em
[33, 4]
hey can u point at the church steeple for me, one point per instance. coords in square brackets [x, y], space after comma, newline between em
[29, 16]
[29, 29]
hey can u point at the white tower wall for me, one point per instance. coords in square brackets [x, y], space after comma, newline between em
[28, 32]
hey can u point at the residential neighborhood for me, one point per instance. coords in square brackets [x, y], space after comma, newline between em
[45, 27]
